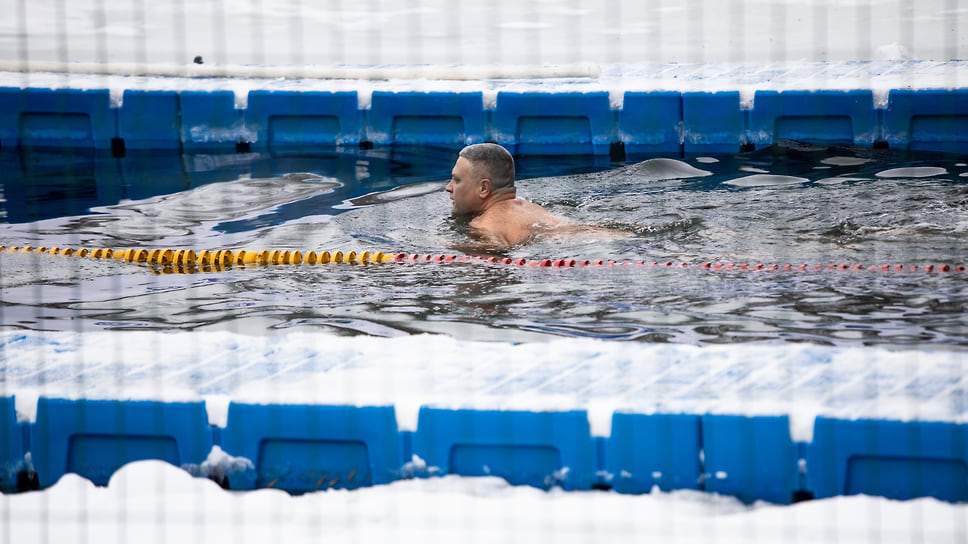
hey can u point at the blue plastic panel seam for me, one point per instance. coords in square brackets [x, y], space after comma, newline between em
[13, 447]
[603, 478]
[802, 466]
[747, 130]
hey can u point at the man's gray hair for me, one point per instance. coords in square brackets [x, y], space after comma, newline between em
[493, 161]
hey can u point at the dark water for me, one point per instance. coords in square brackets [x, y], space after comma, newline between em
[786, 204]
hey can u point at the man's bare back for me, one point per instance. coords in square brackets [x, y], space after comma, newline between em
[513, 222]
[482, 188]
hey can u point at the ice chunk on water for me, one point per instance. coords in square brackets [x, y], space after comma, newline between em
[765, 180]
[913, 172]
[662, 169]
[845, 161]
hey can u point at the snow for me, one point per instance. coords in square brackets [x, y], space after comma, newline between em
[613, 46]
[615, 79]
[218, 465]
[152, 502]
[601, 377]
[466, 32]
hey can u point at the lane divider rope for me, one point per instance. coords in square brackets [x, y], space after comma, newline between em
[188, 261]
[214, 258]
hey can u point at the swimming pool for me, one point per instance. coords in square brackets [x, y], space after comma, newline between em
[789, 203]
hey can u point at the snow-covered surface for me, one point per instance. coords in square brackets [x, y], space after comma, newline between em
[467, 46]
[878, 76]
[150, 502]
[747, 78]
[470, 32]
[800, 380]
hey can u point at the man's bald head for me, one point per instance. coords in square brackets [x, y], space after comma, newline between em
[491, 161]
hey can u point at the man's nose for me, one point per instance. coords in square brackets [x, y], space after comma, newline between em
[450, 186]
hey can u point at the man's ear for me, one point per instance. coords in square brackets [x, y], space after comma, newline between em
[485, 188]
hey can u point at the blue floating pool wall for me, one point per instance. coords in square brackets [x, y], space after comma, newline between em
[302, 448]
[929, 120]
[436, 118]
[150, 120]
[651, 123]
[540, 449]
[893, 459]
[287, 119]
[752, 458]
[839, 118]
[32, 118]
[13, 447]
[553, 123]
[654, 450]
[94, 438]
[527, 123]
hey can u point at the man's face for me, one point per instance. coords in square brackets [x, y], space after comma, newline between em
[464, 189]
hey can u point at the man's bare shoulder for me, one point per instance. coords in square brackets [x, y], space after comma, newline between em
[521, 211]
[514, 221]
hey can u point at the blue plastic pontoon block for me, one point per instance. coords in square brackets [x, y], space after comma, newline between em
[647, 450]
[826, 117]
[437, 118]
[935, 120]
[93, 438]
[651, 122]
[712, 122]
[66, 118]
[300, 448]
[752, 458]
[554, 123]
[149, 120]
[893, 459]
[278, 120]
[540, 449]
[11, 445]
[210, 121]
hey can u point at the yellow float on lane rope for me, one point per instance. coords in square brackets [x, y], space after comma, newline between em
[188, 261]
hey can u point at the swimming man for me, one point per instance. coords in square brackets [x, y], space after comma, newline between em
[482, 188]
